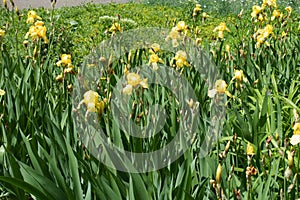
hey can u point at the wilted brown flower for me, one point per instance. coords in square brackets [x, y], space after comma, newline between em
[251, 171]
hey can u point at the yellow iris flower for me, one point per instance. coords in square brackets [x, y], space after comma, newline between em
[250, 149]
[220, 88]
[239, 75]
[2, 33]
[128, 89]
[276, 14]
[32, 16]
[262, 34]
[283, 34]
[197, 9]
[295, 139]
[270, 3]
[154, 48]
[205, 15]
[38, 30]
[154, 59]
[116, 27]
[256, 10]
[134, 80]
[221, 28]
[181, 26]
[91, 100]
[174, 35]
[289, 9]
[65, 60]
[181, 59]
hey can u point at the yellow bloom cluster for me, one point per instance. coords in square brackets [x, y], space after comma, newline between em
[66, 63]
[154, 58]
[258, 12]
[134, 80]
[263, 34]
[181, 59]
[197, 11]
[221, 28]
[37, 30]
[176, 32]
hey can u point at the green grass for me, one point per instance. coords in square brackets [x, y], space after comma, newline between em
[41, 152]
